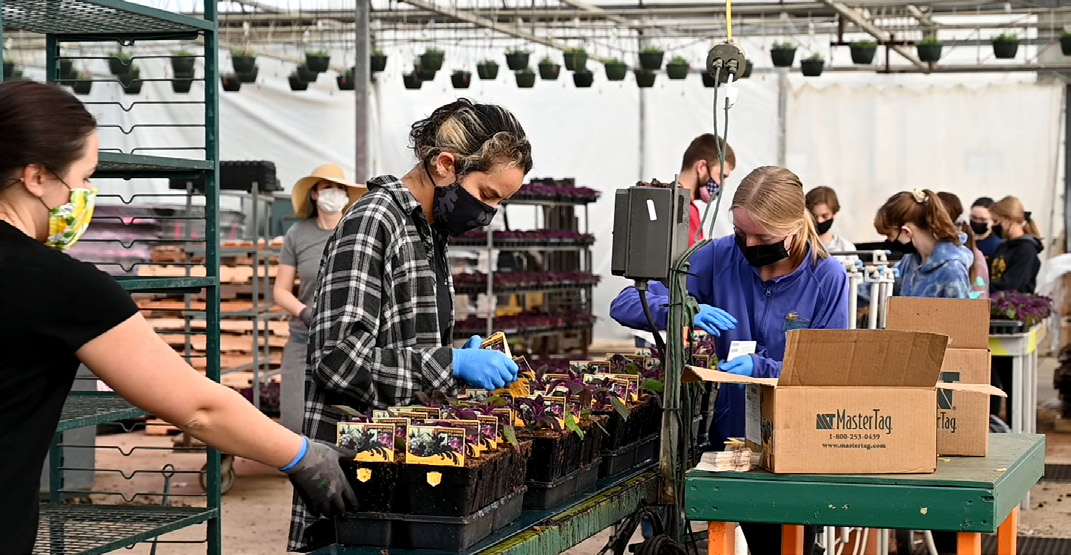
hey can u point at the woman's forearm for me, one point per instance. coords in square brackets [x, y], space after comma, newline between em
[288, 301]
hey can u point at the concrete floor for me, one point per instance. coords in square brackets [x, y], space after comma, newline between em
[256, 512]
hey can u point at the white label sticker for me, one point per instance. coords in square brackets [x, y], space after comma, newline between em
[753, 414]
[651, 210]
[740, 348]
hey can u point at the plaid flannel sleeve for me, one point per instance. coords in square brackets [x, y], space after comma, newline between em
[353, 316]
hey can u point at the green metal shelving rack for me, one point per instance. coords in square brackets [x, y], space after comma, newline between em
[89, 529]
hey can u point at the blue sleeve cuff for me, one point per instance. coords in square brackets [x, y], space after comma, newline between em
[300, 455]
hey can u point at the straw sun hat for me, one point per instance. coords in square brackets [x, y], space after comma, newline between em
[327, 172]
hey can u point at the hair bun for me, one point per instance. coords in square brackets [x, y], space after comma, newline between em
[920, 195]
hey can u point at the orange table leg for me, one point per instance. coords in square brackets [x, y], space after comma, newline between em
[970, 543]
[721, 538]
[791, 540]
[1008, 534]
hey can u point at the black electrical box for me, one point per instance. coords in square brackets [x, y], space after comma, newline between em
[650, 231]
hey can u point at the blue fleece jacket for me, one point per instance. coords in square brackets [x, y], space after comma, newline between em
[814, 296]
[945, 274]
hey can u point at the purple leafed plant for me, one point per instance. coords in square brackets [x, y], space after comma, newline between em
[1021, 307]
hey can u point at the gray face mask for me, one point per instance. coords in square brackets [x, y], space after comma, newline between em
[458, 212]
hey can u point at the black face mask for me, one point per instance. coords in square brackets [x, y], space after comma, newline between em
[761, 255]
[998, 231]
[823, 227]
[457, 212]
[979, 228]
[903, 248]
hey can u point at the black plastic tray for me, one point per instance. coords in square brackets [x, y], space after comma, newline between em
[547, 495]
[440, 534]
[628, 457]
[647, 450]
[1005, 327]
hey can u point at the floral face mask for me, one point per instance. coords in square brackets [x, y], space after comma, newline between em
[67, 223]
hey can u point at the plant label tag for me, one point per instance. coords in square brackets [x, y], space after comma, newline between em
[579, 366]
[435, 446]
[489, 435]
[376, 414]
[497, 342]
[556, 407]
[643, 352]
[633, 386]
[650, 363]
[473, 446]
[702, 361]
[349, 412]
[373, 442]
[740, 348]
[599, 367]
[637, 360]
[401, 429]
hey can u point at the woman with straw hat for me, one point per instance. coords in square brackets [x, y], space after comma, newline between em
[320, 200]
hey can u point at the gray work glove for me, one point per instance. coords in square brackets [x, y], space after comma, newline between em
[319, 481]
[306, 316]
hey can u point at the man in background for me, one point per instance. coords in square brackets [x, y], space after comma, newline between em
[701, 170]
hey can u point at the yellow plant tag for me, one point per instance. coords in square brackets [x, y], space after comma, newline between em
[364, 474]
[434, 478]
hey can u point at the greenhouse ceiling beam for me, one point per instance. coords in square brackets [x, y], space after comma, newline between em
[495, 26]
[871, 29]
[922, 17]
[584, 6]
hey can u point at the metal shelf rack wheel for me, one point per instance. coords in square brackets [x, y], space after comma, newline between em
[132, 107]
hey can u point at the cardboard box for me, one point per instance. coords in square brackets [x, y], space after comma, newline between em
[962, 416]
[847, 402]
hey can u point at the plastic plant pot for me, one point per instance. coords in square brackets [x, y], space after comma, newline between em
[182, 82]
[378, 62]
[616, 71]
[432, 59]
[748, 66]
[461, 79]
[516, 60]
[120, 64]
[783, 57]
[9, 68]
[425, 74]
[812, 67]
[231, 83]
[652, 60]
[66, 69]
[583, 79]
[645, 78]
[863, 52]
[297, 83]
[412, 81]
[1005, 48]
[549, 71]
[15, 75]
[928, 51]
[306, 74]
[182, 62]
[487, 70]
[1065, 44]
[317, 61]
[677, 70]
[525, 78]
[133, 87]
[379, 491]
[345, 81]
[249, 76]
[243, 61]
[81, 86]
[575, 60]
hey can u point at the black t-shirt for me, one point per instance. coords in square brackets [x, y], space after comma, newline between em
[50, 306]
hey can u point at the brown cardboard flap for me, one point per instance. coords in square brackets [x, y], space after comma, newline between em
[975, 387]
[694, 374]
[966, 321]
[859, 358]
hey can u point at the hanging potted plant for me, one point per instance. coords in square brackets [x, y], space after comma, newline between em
[15, 75]
[83, 83]
[748, 66]
[120, 63]
[378, 61]
[230, 82]
[412, 81]
[677, 68]
[645, 78]
[9, 67]
[782, 54]
[131, 81]
[812, 65]
[243, 60]
[432, 59]
[182, 61]
[249, 76]
[525, 78]
[487, 70]
[317, 60]
[66, 69]
[182, 82]
[1065, 43]
[929, 49]
[516, 59]
[345, 80]
[1005, 46]
[461, 79]
[549, 70]
[616, 70]
[708, 79]
[306, 75]
[583, 78]
[863, 52]
[651, 58]
[296, 82]
[576, 59]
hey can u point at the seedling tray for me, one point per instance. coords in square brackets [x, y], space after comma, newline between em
[547, 495]
[617, 461]
[1005, 327]
[459, 491]
[647, 450]
[379, 492]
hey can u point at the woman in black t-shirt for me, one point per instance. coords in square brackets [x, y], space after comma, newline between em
[57, 312]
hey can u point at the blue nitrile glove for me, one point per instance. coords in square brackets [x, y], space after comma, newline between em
[743, 365]
[484, 368]
[474, 342]
[714, 320]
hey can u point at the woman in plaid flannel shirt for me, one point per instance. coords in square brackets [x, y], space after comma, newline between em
[384, 305]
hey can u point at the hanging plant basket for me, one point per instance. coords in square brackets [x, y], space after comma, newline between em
[182, 82]
[82, 85]
[583, 78]
[461, 79]
[525, 78]
[425, 74]
[130, 77]
[182, 61]
[651, 59]
[548, 70]
[317, 61]
[677, 68]
[929, 49]
[487, 70]
[863, 52]
[616, 70]
[66, 69]
[120, 64]
[1065, 43]
[812, 67]
[412, 81]
[242, 60]
[432, 59]
[345, 80]
[9, 68]
[378, 61]
[230, 82]
[249, 76]
[748, 66]
[516, 60]
[305, 74]
[1006, 46]
[782, 55]
[15, 75]
[297, 83]
[645, 78]
[708, 79]
[576, 59]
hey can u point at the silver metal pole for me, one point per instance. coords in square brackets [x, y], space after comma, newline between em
[362, 83]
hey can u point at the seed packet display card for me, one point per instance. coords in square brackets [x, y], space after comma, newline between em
[373, 442]
[497, 342]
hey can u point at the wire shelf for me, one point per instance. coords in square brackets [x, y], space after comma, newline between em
[96, 17]
[166, 284]
[90, 408]
[92, 529]
[126, 166]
